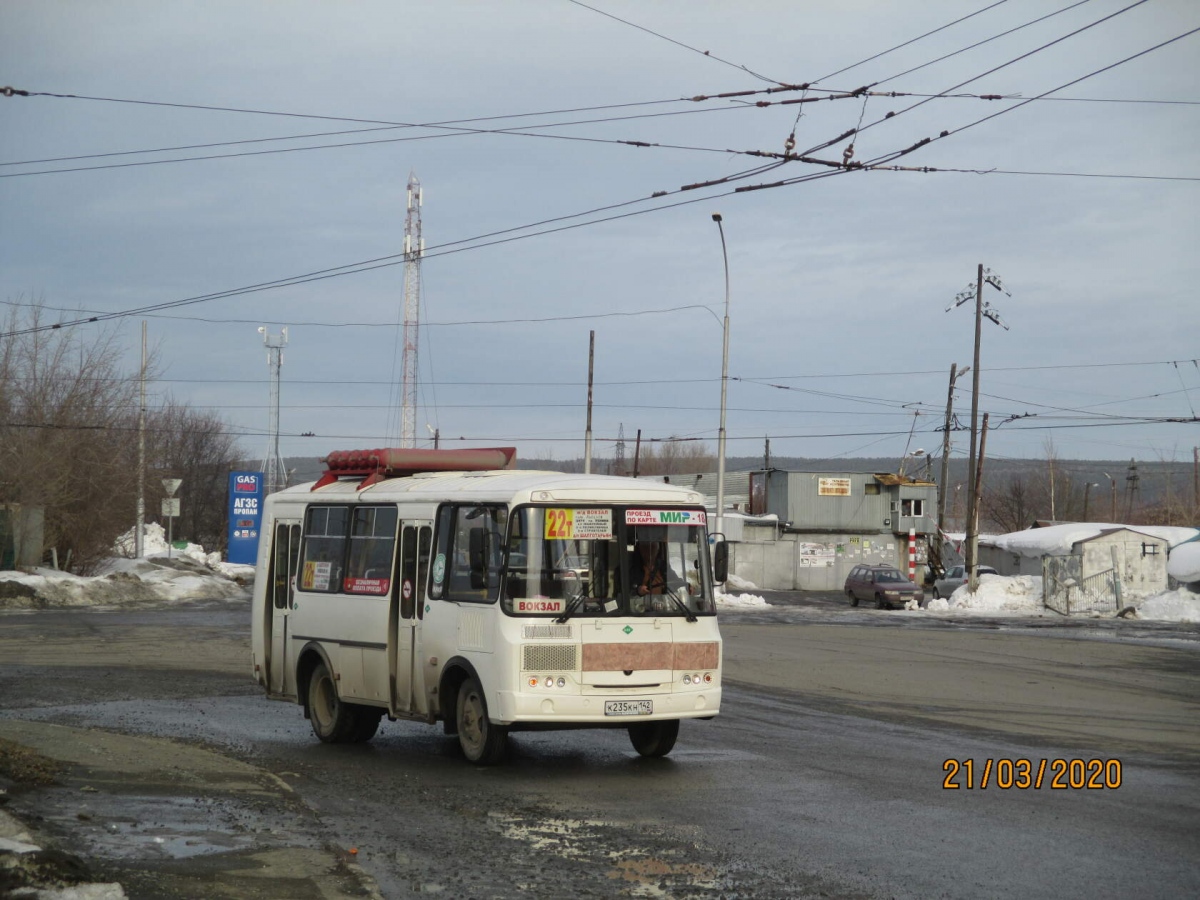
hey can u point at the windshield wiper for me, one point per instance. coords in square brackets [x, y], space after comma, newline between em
[688, 614]
[572, 605]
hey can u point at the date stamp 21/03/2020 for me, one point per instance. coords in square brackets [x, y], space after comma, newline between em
[1025, 774]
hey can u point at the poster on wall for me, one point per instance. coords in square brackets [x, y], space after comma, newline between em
[245, 516]
[813, 555]
[833, 487]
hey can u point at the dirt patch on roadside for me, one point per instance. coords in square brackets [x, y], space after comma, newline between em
[159, 818]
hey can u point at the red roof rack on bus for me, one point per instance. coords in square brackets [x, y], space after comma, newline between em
[395, 462]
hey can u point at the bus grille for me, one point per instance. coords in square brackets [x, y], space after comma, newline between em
[548, 657]
[545, 632]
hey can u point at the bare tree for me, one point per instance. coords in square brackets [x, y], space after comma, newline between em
[68, 441]
[675, 456]
[196, 447]
[65, 433]
[1013, 504]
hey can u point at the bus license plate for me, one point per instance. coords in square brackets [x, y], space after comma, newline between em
[628, 707]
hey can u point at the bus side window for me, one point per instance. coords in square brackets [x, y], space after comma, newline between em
[468, 555]
[325, 529]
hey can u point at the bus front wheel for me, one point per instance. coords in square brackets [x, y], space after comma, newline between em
[654, 738]
[483, 741]
[334, 721]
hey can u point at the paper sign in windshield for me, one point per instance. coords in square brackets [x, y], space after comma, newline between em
[665, 517]
[578, 525]
[539, 605]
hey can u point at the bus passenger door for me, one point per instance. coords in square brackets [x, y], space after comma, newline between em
[408, 677]
[285, 552]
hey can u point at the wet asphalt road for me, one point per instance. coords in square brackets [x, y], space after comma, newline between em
[783, 795]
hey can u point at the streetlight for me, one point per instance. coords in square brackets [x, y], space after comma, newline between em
[716, 217]
[916, 454]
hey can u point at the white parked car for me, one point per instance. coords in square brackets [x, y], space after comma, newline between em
[956, 577]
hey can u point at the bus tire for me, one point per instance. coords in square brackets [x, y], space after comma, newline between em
[483, 742]
[368, 723]
[333, 721]
[654, 738]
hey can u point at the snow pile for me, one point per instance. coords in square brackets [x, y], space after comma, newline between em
[741, 601]
[1174, 606]
[1018, 595]
[183, 575]
[1184, 562]
[1056, 540]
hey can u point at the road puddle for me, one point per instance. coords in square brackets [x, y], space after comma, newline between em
[645, 862]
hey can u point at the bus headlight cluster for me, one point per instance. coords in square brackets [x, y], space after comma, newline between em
[548, 682]
[706, 678]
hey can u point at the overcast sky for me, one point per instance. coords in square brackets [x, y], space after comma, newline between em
[838, 285]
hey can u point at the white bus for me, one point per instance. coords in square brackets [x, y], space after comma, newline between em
[446, 585]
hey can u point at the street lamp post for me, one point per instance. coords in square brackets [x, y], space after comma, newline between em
[1087, 489]
[716, 217]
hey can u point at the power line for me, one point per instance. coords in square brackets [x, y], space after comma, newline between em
[910, 41]
[705, 53]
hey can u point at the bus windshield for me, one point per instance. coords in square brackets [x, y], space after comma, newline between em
[607, 561]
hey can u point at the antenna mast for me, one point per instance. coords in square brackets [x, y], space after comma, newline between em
[414, 249]
[274, 472]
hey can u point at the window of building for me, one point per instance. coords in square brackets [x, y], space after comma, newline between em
[871, 487]
[912, 507]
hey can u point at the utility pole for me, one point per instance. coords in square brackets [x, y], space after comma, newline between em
[954, 375]
[1132, 481]
[767, 453]
[274, 473]
[587, 442]
[983, 276]
[936, 544]
[637, 452]
[1196, 479]
[140, 541]
[973, 533]
[619, 452]
[414, 249]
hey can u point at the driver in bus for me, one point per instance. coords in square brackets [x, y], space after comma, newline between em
[648, 572]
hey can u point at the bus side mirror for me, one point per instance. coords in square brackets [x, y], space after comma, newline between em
[721, 562]
[477, 557]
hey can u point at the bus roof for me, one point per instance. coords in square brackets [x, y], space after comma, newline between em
[510, 486]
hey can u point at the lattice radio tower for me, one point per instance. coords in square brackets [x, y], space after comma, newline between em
[414, 249]
[274, 472]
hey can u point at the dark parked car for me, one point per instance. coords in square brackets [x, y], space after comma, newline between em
[955, 578]
[886, 585]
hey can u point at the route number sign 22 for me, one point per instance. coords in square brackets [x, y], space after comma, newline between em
[578, 525]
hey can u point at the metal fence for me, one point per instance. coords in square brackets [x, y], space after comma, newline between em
[1065, 589]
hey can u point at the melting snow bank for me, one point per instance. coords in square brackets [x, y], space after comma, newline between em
[1021, 595]
[742, 600]
[188, 574]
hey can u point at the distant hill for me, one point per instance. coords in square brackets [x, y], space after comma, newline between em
[1156, 481]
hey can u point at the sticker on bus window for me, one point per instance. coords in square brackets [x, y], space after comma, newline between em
[439, 568]
[578, 525]
[665, 517]
[316, 576]
[366, 585]
[539, 605]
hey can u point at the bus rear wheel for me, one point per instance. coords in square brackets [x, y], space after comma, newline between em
[483, 742]
[654, 738]
[334, 721]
